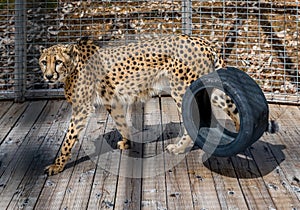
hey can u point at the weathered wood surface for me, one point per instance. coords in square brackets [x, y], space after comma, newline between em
[99, 176]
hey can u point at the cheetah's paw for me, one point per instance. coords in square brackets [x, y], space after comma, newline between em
[53, 169]
[175, 149]
[122, 145]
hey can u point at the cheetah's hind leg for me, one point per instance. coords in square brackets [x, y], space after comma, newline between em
[222, 101]
[185, 141]
[118, 113]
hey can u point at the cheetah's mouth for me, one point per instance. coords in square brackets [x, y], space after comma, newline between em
[54, 79]
[51, 81]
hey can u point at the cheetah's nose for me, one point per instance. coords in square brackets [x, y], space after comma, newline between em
[49, 76]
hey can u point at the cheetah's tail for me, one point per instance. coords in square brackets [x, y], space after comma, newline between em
[273, 127]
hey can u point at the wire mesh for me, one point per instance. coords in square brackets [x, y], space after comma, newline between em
[259, 37]
[110, 22]
[7, 49]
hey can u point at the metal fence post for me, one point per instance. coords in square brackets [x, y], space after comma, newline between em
[187, 17]
[20, 50]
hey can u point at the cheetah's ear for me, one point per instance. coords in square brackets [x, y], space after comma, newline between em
[71, 50]
[42, 49]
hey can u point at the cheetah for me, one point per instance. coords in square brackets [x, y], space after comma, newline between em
[123, 75]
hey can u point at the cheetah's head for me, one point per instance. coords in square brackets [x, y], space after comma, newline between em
[57, 62]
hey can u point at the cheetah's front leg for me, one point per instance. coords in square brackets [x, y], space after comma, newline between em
[77, 123]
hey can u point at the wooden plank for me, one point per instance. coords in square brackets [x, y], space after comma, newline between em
[287, 141]
[233, 183]
[10, 117]
[275, 180]
[227, 186]
[252, 184]
[202, 183]
[154, 186]
[14, 139]
[103, 193]
[250, 179]
[285, 149]
[73, 190]
[129, 183]
[16, 155]
[81, 180]
[53, 192]
[32, 182]
[128, 193]
[178, 186]
[108, 160]
[5, 105]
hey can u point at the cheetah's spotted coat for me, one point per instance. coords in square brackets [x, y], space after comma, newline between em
[126, 74]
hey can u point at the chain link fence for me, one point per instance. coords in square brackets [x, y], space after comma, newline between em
[259, 37]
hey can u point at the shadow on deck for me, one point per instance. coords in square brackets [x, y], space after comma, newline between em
[266, 175]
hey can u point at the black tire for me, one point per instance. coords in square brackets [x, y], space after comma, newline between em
[203, 127]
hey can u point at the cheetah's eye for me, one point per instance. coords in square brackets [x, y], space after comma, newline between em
[44, 63]
[58, 62]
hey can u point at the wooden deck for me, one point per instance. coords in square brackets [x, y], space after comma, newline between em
[266, 176]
